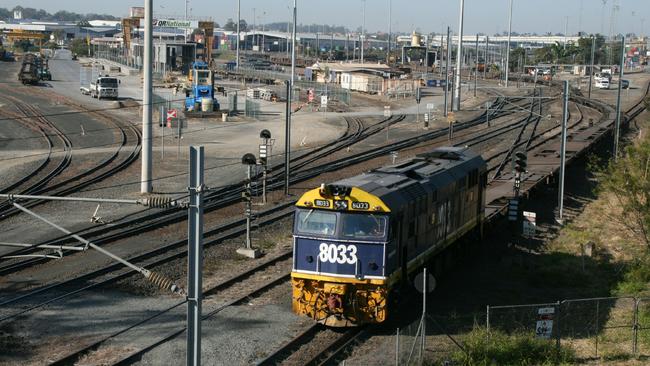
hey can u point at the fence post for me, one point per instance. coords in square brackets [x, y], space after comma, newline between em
[635, 327]
[487, 323]
[597, 324]
[397, 348]
[559, 331]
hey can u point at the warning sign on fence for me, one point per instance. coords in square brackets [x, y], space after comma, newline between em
[544, 326]
[544, 329]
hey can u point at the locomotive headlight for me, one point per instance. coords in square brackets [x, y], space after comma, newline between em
[373, 266]
[309, 259]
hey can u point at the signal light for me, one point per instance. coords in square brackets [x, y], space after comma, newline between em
[520, 161]
[246, 195]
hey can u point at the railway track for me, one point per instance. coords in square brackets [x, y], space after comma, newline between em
[46, 184]
[137, 260]
[316, 345]
[34, 182]
[231, 194]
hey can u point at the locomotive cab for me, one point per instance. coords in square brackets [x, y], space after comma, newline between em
[340, 246]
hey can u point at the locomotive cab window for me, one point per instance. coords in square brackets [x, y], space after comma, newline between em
[363, 226]
[316, 222]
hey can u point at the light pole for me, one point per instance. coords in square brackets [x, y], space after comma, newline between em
[187, 4]
[508, 46]
[363, 27]
[390, 29]
[566, 30]
[591, 70]
[459, 57]
[290, 84]
[617, 130]
[146, 171]
[238, 30]
[447, 60]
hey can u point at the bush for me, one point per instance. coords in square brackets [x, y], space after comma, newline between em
[628, 181]
[514, 349]
[636, 278]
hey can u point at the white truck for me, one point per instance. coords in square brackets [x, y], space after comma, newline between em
[102, 87]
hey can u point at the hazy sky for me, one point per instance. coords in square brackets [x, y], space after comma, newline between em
[487, 16]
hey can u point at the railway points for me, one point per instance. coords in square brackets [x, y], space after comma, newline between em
[64, 143]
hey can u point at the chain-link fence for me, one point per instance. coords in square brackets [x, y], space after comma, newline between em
[600, 326]
[332, 91]
[252, 108]
[610, 327]
[408, 344]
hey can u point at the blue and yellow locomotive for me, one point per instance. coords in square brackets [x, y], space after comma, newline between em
[356, 239]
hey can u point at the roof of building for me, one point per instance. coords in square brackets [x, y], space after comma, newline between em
[350, 67]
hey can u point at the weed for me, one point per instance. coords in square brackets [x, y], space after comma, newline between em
[499, 348]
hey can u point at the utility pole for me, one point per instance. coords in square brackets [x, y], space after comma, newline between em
[459, 57]
[390, 29]
[290, 84]
[187, 4]
[447, 71]
[565, 120]
[147, 148]
[508, 46]
[591, 70]
[566, 31]
[617, 130]
[195, 256]
[363, 27]
[476, 68]
[485, 60]
[238, 30]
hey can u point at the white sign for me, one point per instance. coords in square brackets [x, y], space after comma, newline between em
[262, 151]
[430, 106]
[529, 227]
[544, 329]
[173, 23]
[545, 311]
[387, 112]
[323, 100]
[172, 113]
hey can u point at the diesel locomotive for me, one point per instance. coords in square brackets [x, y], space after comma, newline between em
[357, 240]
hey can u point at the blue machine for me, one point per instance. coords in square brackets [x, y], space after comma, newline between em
[202, 88]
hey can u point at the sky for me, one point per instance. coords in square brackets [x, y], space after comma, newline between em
[481, 16]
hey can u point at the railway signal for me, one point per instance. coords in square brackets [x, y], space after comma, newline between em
[265, 151]
[249, 160]
[520, 162]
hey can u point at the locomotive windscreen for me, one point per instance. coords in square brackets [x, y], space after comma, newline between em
[340, 243]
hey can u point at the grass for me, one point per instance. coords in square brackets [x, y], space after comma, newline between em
[518, 348]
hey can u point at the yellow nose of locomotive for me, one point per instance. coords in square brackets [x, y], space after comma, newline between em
[339, 304]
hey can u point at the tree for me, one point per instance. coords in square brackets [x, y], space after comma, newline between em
[628, 180]
[79, 46]
[516, 55]
[59, 34]
[232, 26]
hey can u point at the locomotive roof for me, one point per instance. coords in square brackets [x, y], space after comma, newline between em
[403, 182]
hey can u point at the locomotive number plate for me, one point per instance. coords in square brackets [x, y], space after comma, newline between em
[340, 254]
[322, 203]
[360, 205]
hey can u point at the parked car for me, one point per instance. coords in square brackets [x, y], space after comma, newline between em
[602, 83]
